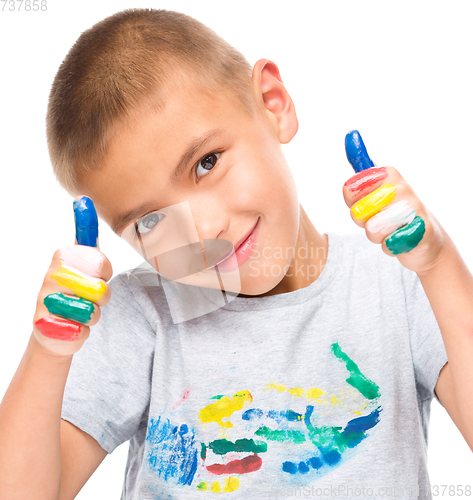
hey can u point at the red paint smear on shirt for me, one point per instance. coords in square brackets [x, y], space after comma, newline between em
[58, 328]
[182, 400]
[243, 466]
[366, 178]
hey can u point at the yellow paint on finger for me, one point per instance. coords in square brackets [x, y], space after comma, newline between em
[374, 202]
[87, 288]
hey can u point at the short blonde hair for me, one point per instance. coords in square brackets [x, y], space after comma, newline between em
[126, 62]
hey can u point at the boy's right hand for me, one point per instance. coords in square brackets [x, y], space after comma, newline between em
[74, 288]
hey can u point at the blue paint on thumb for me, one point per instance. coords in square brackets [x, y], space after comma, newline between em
[87, 224]
[356, 152]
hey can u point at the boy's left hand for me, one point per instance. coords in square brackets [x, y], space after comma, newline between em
[384, 204]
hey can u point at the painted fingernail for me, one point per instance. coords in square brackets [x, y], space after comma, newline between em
[74, 308]
[84, 286]
[58, 328]
[372, 203]
[406, 238]
[391, 218]
[356, 152]
[87, 224]
[365, 179]
[85, 259]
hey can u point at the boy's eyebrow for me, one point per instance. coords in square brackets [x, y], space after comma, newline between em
[192, 150]
[123, 220]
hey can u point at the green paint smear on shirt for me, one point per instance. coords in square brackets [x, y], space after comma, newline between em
[335, 437]
[76, 309]
[222, 446]
[324, 436]
[280, 436]
[406, 238]
[202, 486]
[356, 379]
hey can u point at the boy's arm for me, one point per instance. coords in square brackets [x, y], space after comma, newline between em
[383, 203]
[444, 391]
[42, 456]
[80, 457]
[449, 288]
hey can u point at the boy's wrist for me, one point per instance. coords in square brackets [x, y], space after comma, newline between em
[447, 256]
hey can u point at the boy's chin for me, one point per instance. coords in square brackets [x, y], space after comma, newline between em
[260, 286]
[236, 282]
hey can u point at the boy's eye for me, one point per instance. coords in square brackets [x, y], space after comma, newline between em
[206, 164]
[148, 222]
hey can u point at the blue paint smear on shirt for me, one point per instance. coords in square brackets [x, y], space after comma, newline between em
[352, 435]
[363, 423]
[277, 415]
[173, 450]
[252, 414]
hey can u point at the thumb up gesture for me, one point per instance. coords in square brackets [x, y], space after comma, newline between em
[74, 287]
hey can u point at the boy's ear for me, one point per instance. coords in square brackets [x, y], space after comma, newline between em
[280, 109]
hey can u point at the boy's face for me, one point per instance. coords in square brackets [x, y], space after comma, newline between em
[247, 180]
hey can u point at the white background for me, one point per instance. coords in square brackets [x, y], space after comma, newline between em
[399, 72]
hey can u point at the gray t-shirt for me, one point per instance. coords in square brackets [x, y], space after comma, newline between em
[320, 392]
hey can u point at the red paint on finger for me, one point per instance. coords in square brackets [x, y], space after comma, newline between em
[365, 179]
[58, 328]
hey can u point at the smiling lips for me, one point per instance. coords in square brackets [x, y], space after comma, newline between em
[241, 251]
[246, 237]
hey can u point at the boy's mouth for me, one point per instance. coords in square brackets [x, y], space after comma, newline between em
[240, 243]
[242, 251]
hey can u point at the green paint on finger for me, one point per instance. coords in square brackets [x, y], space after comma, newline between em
[406, 238]
[77, 309]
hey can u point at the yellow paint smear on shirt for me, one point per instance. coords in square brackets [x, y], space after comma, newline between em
[215, 488]
[81, 286]
[297, 392]
[224, 408]
[312, 393]
[231, 483]
[335, 401]
[276, 387]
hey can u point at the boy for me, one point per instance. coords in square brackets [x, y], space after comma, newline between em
[306, 382]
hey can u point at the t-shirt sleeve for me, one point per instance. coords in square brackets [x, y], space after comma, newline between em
[108, 388]
[427, 347]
